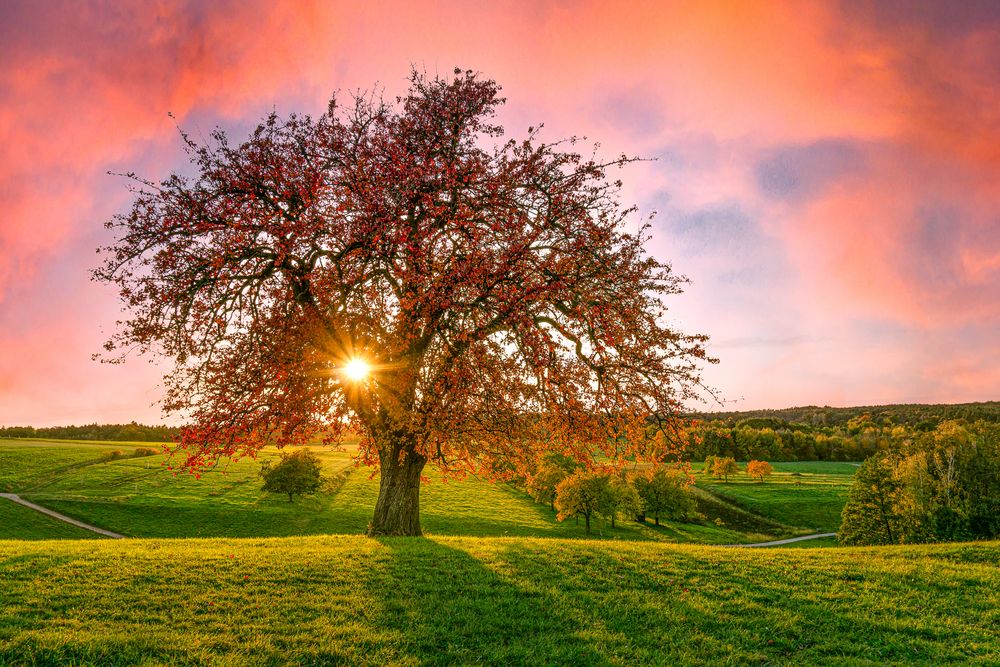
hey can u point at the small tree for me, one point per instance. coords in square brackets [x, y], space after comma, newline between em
[724, 466]
[297, 472]
[580, 494]
[619, 498]
[552, 468]
[709, 468]
[664, 493]
[759, 470]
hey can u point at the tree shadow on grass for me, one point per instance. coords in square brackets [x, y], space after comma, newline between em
[646, 606]
[447, 607]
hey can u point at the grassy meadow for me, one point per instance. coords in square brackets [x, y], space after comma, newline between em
[140, 497]
[17, 521]
[497, 580]
[806, 495]
[446, 600]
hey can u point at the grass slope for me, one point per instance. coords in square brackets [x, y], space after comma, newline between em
[28, 465]
[140, 497]
[808, 496]
[20, 522]
[334, 600]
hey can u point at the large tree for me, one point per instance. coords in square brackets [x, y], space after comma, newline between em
[491, 287]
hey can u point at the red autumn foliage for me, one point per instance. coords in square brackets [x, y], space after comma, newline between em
[490, 284]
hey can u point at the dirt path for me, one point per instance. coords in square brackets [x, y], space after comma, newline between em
[778, 543]
[13, 497]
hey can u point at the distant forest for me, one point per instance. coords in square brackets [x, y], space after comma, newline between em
[808, 433]
[924, 417]
[823, 433]
[131, 432]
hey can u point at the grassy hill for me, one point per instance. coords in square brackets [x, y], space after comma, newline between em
[498, 581]
[807, 495]
[141, 497]
[335, 600]
[27, 524]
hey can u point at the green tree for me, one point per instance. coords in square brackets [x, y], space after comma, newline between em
[870, 515]
[664, 493]
[982, 477]
[619, 498]
[580, 494]
[914, 505]
[298, 472]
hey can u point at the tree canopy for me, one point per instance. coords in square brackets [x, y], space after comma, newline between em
[490, 286]
[724, 466]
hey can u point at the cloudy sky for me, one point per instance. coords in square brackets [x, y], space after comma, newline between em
[827, 175]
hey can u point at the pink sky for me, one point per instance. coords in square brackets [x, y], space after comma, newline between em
[828, 175]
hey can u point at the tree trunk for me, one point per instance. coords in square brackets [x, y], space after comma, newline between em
[397, 511]
[587, 516]
[289, 497]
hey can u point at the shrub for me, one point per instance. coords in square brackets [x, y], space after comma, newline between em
[299, 473]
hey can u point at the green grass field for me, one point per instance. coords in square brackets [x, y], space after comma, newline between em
[497, 581]
[808, 496]
[337, 600]
[17, 521]
[140, 497]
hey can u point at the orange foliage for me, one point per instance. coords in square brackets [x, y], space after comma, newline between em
[759, 469]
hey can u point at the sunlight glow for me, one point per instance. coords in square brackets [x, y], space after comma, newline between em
[356, 369]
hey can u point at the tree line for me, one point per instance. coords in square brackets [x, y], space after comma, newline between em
[771, 438]
[131, 432]
[575, 491]
[921, 416]
[942, 485]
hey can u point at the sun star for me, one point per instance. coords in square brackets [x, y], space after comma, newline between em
[356, 369]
